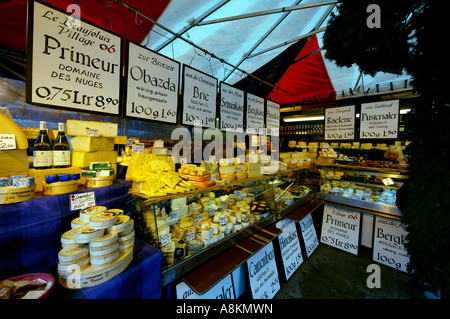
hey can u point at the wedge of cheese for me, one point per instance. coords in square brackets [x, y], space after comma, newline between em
[91, 144]
[83, 128]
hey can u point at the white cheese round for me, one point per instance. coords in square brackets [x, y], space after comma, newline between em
[106, 240]
[86, 233]
[86, 213]
[70, 254]
[103, 220]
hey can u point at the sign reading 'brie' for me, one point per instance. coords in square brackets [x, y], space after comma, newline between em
[199, 98]
[152, 85]
[71, 63]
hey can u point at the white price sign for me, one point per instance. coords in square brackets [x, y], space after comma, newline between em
[71, 63]
[379, 120]
[255, 114]
[7, 142]
[309, 235]
[263, 273]
[199, 98]
[340, 228]
[389, 243]
[291, 252]
[152, 85]
[82, 200]
[273, 118]
[222, 290]
[340, 123]
[231, 108]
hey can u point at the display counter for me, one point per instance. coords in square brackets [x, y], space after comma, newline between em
[30, 237]
[368, 188]
[225, 218]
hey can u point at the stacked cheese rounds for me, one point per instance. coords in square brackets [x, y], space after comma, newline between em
[96, 239]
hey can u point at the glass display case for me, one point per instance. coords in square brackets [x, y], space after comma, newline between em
[369, 188]
[191, 229]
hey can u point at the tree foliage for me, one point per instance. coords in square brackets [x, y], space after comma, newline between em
[419, 48]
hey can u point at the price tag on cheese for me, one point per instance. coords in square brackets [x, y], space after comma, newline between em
[130, 141]
[91, 132]
[190, 235]
[7, 142]
[137, 148]
[165, 239]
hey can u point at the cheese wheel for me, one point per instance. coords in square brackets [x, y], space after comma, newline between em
[103, 220]
[106, 240]
[240, 176]
[101, 260]
[228, 177]
[227, 170]
[86, 233]
[70, 254]
[122, 222]
[77, 223]
[86, 213]
[10, 127]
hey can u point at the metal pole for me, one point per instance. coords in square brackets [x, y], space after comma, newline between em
[194, 45]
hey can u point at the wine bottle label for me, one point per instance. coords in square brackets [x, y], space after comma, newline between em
[61, 158]
[42, 158]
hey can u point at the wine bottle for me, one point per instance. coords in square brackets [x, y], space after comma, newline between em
[42, 150]
[61, 148]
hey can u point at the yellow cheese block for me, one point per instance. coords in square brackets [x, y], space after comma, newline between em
[253, 166]
[141, 163]
[77, 128]
[8, 126]
[241, 175]
[91, 144]
[227, 170]
[228, 177]
[83, 159]
[13, 162]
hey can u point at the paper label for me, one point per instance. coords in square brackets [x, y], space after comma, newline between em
[82, 200]
[7, 142]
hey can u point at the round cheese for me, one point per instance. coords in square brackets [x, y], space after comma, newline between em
[104, 250]
[86, 233]
[100, 260]
[86, 213]
[241, 176]
[228, 177]
[68, 237]
[126, 237]
[106, 240]
[77, 223]
[103, 220]
[70, 254]
[121, 224]
[127, 244]
[68, 269]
